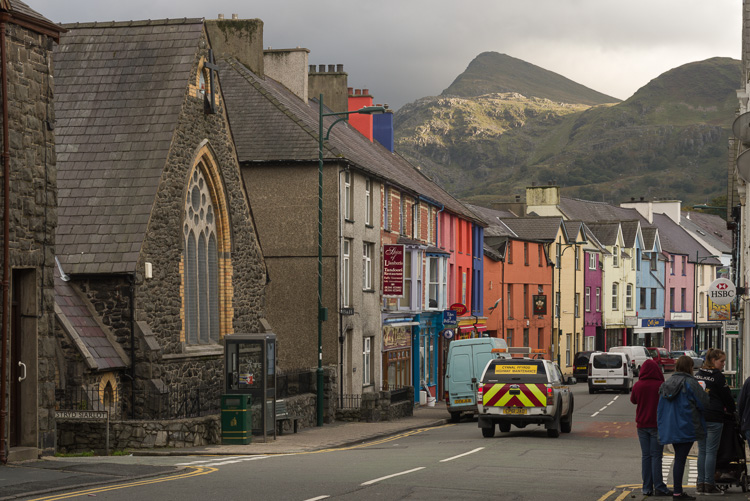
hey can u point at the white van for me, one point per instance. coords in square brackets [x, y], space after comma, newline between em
[637, 354]
[610, 371]
[465, 363]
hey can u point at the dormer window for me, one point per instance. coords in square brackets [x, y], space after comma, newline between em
[616, 257]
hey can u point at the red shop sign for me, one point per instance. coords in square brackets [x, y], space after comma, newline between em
[459, 308]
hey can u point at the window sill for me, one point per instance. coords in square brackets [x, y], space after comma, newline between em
[208, 350]
[367, 225]
[369, 291]
[346, 220]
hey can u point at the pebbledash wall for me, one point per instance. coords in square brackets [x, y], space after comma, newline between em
[33, 217]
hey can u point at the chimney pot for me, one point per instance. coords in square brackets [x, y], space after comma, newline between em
[322, 68]
[641, 199]
[235, 16]
[518, 198]
[312, 68]
[365, 92]
[350, 90]
[331, 68]
[340, 68]
[221, 17]
[357, 92]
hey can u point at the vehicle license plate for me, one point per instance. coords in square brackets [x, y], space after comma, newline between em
[600, 381]
[514, 410]
[581, 368]
[462, 401]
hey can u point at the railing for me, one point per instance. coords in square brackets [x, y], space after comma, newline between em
[351, 401]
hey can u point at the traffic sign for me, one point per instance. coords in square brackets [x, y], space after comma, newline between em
[722, 291]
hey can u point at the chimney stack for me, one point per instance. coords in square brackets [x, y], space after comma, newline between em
[332, 84]
[241, 39]
[289, 67]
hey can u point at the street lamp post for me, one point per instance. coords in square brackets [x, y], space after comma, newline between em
[698, 261]
[323, 312]
[558, 299]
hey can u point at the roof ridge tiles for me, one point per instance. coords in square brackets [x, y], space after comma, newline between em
[135, 23]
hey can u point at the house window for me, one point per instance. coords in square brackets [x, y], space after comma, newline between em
[671, 264]
[578, 256]
[509, 301]
[368, 201]
[437, 285]
[526, 253]
[367, 361]
[509, 337]
[643, 297]
[540, 251]
[201, 262]
[347, 195]
[578, 304]
[387, 208]
[700, 274]
[567, 349]
[367, 249]
[404, 302]
[700, 304]
[629, 297]
[638, 259]
[671, 299]
[652, 261]
[653, 298]
[684, 265]
[526, 302]
[683, 299]
[558, 250]
[615, 295]
[557, 305]
[540, 337]
[510, 252]
[592, 261]
[598, 299]
[616, 257]
[346, 273]
[402, 216]
[526, 336]
[587, 299]
[429, 224]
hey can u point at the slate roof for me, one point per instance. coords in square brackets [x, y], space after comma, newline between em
[649, 237]
[269, 123]
[16, 6]
[540, 229]
[709, 227]
[100, 351]
[606, 233]
[629, 232]
[589, 211]
[119, 89]
[573, 228]
[495, 227]
[676, 240]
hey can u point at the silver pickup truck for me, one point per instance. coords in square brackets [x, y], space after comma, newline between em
[523, 391]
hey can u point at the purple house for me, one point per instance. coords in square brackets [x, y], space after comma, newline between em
[593, 333]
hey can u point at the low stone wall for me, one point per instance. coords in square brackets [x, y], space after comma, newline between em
[76, 436]
[379, 407]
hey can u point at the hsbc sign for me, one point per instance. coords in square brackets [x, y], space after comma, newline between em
[721, 291]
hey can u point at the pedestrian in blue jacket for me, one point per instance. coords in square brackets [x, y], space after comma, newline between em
[679, 417]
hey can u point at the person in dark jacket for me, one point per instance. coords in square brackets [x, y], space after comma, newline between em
[645, 396]
[679, 417]
[710, 376]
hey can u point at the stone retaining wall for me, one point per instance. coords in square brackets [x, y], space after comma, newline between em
[378, 407]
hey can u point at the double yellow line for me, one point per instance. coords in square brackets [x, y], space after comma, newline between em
[196, 472]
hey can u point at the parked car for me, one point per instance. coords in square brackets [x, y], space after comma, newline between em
[637, 355]
[662, 357]
[610, 371]
[697, 359]
[581, 365]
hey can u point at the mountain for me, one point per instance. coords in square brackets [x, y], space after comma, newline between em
[667, 140]
[494, 73]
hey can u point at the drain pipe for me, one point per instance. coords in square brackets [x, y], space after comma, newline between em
[6, 249]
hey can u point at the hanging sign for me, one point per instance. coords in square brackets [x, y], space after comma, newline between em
[721, 291]
[459, 308]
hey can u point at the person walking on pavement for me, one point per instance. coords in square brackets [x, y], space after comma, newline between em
[679, 417]
[720, 403]
[645, 396]
[743, 407]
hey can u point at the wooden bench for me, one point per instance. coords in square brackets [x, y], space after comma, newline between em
[282, 414]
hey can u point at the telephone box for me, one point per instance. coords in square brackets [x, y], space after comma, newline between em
[250, 363]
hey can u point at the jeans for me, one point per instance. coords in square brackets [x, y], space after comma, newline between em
[707, 448]
[651, 453]
[681, 452]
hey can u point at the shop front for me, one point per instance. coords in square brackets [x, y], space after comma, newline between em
[649, 332]
[707, 335]
[430, 325]
[397, 352]
[616, 335]
[680, 331]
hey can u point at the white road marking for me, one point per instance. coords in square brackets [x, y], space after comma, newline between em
[209, 460]
[317, 498]
[603, 408]
[594, 414]
[616, 397]
[461, 455]
[223, 461]
[370, 482]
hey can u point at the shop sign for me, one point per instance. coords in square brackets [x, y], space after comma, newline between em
[396, 337]
[732, 328]
[685, 315]
[393, 270]
[721, 291]
[719, 312]
[459, 308]
[449, 317]
[631, 321]
[652, 322]
[540, 304]
[449, 333]
[347, 311]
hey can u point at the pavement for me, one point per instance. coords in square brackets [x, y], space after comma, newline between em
[50, 474]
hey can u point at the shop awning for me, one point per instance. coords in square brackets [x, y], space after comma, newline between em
[401, 324]
[680, 324]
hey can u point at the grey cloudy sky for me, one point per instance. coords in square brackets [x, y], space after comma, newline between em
[406, 49]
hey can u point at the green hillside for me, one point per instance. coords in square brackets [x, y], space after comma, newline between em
[668, 140]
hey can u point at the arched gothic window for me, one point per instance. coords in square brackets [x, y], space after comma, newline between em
[201, 258]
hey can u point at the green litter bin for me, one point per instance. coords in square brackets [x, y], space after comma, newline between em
[236, 420]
